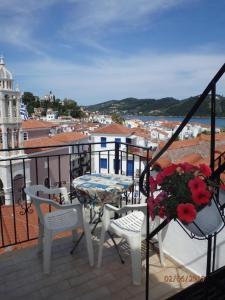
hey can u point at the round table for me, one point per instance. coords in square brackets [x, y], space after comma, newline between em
[102, 188]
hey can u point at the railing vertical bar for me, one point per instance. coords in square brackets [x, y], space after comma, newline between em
[139, 173]
[70, 179]
[213, 127]
[214, 252]
[60, 183]
[13, 202]
[108, 161]
[212, 165]
[36, 166]
[90, 157]
[147, 231]
[99, 162]
[26, 211]
[126, 160]
[209, 253]
[121, 161]
[132, 200]
[1, 222]
[48, 174]
[117, 156]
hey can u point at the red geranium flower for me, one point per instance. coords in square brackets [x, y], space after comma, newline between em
[166, 172]
[201, 196]
[169, 170]
[196, 184]
[205, 170]
[160, 177]
[152, 184]
[186, 212]
[151, 206]
[162, 212]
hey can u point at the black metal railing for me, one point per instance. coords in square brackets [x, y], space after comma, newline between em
[57, 166]
[144, 178]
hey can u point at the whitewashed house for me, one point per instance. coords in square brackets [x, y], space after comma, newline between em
[103, 160]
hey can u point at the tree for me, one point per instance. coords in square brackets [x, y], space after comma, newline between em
[29, 99]
[117, 119]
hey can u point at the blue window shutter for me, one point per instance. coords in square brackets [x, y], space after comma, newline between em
[103, 163]
[103, 142]
[130, 167]
[118, 140]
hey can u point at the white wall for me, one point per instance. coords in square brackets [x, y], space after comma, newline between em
[191, 252]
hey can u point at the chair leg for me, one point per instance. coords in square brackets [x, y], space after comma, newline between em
[47, 242]
[135, 250]
[89, 244]
[40, 238]
[74, 234]
[101, 245]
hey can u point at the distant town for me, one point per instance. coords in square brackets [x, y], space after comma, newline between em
[28, 121]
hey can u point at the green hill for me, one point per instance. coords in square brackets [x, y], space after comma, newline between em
[161, 107]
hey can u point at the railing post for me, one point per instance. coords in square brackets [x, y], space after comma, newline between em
[117, 157]
[213, 127]
[147, 233]
[212, 166]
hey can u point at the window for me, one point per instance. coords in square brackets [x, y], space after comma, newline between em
[103, 142]
[103, 163]
[128, 140]
[114, 161]
[118, 140]
[25, 136]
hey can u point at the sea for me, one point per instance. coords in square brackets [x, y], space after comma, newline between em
[220, 122]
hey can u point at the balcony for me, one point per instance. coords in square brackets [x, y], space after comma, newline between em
[72, 278]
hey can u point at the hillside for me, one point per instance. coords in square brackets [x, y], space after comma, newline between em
[165, 106]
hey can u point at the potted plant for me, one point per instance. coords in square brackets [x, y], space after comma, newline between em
[185, 192]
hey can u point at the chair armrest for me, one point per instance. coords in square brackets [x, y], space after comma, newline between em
[142, 207]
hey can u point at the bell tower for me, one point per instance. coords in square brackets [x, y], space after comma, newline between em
[11, 135]
[10, 120]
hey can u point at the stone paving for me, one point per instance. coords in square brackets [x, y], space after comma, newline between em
[71, 277]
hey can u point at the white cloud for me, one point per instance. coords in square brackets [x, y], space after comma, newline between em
[84, 21]
[89, 21]
[142, 76]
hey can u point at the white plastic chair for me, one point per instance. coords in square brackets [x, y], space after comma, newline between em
[132, 227]
[66, 217]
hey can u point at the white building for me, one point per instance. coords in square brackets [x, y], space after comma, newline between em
[130, 161]
[51, 115]
[12, 172]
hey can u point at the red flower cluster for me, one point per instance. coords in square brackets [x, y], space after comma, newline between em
[181, 190]
[186, 212]
[199, 191]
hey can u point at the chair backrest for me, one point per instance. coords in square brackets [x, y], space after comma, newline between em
[33, 192]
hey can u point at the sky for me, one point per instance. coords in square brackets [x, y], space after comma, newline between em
[98, 50]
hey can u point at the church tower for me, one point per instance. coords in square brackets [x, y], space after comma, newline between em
[11, 138]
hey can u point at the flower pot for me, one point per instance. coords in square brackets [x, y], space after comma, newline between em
[208, 220]
[222, 197]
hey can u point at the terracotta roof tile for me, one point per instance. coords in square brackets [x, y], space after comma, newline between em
[190, 158]
[59, 139]
[163, 162]
[181, 144]
[35, 124]
[114, 129]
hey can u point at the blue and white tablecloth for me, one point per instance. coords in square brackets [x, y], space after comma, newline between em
[102, 188]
